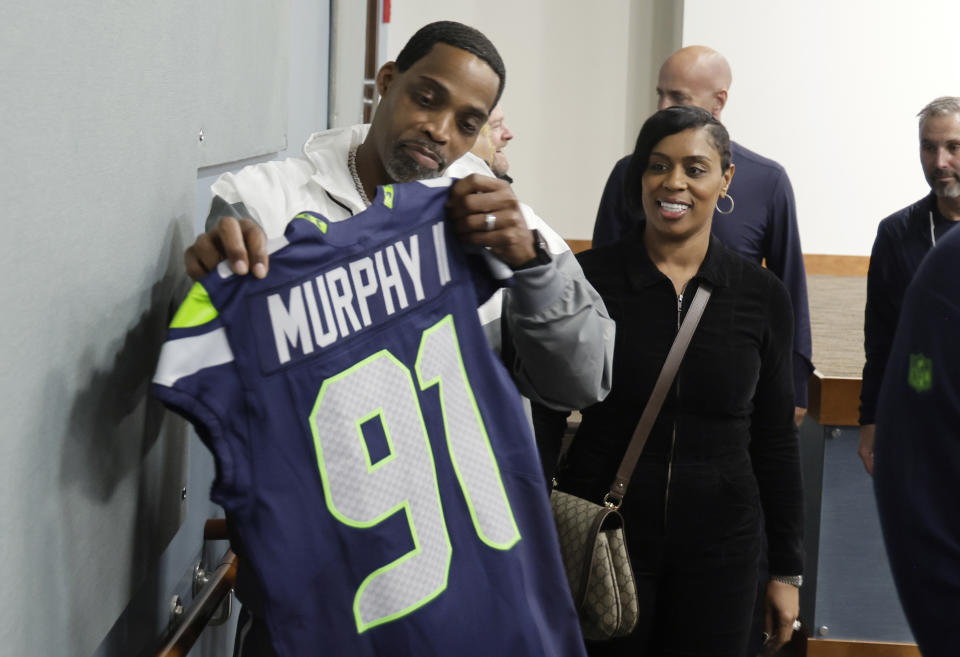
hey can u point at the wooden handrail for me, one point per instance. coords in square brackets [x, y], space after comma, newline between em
[215, 529]
[195, 618]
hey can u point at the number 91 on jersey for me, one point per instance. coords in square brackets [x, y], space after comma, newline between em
[361, 494]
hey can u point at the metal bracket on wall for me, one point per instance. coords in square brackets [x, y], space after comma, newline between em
[212, 604]
[200, 579]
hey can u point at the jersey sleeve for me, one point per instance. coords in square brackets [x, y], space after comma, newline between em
[784, 257]
[196, 377]
[774, 447]
[880, 319]
[552, 309]
[613, 219]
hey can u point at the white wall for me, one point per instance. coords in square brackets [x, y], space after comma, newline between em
[831, 90]
[578, 81]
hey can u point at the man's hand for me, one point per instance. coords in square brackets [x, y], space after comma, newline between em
[472, 199]
[865, 448]
[782, 607]
[241, 241]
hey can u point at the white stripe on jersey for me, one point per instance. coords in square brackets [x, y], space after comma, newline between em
[443, 181]
[186, 356]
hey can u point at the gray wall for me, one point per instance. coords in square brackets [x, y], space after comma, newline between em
[101, 106]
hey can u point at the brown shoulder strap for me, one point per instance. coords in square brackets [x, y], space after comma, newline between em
[667, 374]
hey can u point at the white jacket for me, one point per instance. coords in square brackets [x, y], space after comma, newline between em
[560, 349]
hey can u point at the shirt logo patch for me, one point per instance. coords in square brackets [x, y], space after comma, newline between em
[920, 376]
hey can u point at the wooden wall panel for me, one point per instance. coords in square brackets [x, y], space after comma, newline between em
[836, 265]
[815, 263]
[834, 400]
[578, 245]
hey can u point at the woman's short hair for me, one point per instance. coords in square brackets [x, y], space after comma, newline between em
[664, 123]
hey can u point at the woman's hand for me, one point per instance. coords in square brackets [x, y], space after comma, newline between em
[782, 607]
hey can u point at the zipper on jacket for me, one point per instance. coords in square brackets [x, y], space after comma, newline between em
[673, 436]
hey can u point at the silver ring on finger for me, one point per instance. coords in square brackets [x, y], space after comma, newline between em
[489, 222]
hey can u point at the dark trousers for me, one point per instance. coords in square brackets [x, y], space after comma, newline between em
[696, 559]
[696, 611]
[759, 611]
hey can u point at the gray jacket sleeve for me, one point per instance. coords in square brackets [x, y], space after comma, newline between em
[220, 209]
[557, 335]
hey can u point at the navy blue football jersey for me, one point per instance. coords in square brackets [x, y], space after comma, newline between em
[378, 472]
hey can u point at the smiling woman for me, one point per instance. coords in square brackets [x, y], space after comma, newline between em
[683, 165]
[724, 447]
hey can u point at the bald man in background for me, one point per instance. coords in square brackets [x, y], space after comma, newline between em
[761, 222]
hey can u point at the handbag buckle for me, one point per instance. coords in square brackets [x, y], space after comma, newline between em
[612, 501]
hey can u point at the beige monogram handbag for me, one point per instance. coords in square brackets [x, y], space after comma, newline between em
[592, 541]
[597, 564]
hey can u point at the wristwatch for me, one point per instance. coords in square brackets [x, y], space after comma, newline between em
[792, 580]
[542, 256]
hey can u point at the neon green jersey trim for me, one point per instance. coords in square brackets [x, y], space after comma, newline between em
[388, 196]
[196, 309]
[319, 223]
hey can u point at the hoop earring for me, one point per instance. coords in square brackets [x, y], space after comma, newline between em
[731, 205]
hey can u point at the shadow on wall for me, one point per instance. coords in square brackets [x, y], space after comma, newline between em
[120, 440]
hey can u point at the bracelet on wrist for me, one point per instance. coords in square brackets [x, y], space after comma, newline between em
[792, 580]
